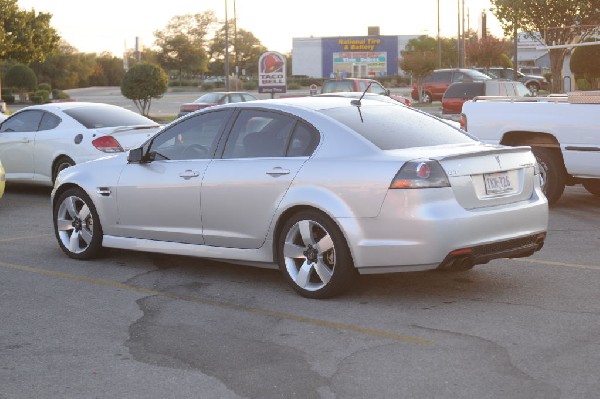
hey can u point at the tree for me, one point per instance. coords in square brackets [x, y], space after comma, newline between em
[142, 83]
[182, 43]
[22, 78]
[487, 52]
[244, 51]
[24, 35]
[585, 62]
[419, 64]
[109, 71]
[66, 68]
[552, 22]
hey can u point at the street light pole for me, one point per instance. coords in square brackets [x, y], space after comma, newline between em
[226, 49]
[439, 43]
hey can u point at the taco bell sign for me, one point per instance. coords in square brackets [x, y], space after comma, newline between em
[271, 73]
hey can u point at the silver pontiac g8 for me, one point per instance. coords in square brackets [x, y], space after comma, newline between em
[325, 188]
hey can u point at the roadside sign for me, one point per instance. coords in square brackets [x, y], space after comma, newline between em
[313, 89]
[271, 73]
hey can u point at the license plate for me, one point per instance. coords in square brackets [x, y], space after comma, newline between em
[498, 183]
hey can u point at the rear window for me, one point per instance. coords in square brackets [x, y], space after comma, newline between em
[95, 117]
[465, 90]
[337, 85]
[391, 127]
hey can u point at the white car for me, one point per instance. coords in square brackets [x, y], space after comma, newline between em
[324, 187]
[39, 141]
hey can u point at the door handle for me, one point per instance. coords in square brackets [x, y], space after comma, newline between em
[188, 174]
[278, 171]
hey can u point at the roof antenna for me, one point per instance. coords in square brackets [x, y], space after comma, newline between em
[357, 102]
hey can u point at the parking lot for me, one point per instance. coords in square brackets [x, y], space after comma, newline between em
[142, 325]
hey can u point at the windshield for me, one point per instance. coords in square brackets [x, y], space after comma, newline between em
[391, 127]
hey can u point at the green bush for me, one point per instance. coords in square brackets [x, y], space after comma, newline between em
[44, 94]
[45, 86]
[294, 86]
[250, 85]
[583, 84]
[7, 91]
[36, 99]
[212, 85]
[59, 95]
[8, 98]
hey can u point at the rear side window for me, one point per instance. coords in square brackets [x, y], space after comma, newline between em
[464, 90]
[94, 117]
[390, 127]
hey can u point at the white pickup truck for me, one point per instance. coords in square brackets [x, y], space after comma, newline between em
[562, 130]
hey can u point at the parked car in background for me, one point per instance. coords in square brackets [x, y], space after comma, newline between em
[356, 95]
[360, 85]
[434, 85]
[320, 186]
[2, 180]
[215, 98]
[37, 142]
[532, 82]
[459, 92]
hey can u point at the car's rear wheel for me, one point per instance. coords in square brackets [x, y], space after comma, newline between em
[592, 186]
[76, 225]
[61, 164]
[552, 172]
[314, 256]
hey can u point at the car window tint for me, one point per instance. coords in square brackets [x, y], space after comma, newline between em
[235, 98]
[258, 133]
[192, 138]
[304, 141]
[464, 90]
[248, 97]
[391, 127]
[24, 121]
[49, 121]
[94, 117]
[442, 76]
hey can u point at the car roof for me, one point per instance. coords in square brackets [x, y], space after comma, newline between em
[69, 105]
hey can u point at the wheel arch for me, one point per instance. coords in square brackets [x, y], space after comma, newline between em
[533, 139]
[55, 163]
[288, 213]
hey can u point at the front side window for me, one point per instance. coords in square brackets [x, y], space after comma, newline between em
[258, 133]
[25, 121]
[193, 138]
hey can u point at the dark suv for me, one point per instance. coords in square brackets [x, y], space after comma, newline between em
[435, 84]
[459, 92]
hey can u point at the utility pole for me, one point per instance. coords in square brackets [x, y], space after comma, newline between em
[226, 49]
[439, 43]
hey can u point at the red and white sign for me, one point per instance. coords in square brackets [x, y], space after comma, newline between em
[271, 73]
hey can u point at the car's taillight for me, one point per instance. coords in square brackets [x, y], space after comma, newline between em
[425, 173]
[463, 122]
[107, 144]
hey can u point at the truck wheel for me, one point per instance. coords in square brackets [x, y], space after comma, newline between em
[552, 172]
[593, 186]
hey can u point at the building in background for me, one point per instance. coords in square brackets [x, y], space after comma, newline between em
[370, 56]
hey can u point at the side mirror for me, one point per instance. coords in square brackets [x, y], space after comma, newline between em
[136, 155]
[387, 92]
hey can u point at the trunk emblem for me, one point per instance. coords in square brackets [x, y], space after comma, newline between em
[498, 160]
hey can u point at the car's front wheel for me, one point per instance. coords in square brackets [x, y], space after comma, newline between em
[314, 256]
[76, 225]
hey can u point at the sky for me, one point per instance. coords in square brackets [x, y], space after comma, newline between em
[113, 25]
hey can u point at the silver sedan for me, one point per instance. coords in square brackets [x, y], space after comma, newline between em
[323, 188]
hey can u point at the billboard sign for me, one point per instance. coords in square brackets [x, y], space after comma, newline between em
[271, 73]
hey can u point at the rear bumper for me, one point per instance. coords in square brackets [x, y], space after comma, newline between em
[426, 229]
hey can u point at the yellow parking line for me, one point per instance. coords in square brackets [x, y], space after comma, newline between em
[24, 237]
[562, 264]
[226, 305]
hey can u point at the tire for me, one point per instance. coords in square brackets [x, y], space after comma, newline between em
[533, 87]
[552, 172]
[59, 165]
[314, 256]
[426, 98]
[592, 186]
[77, 225]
